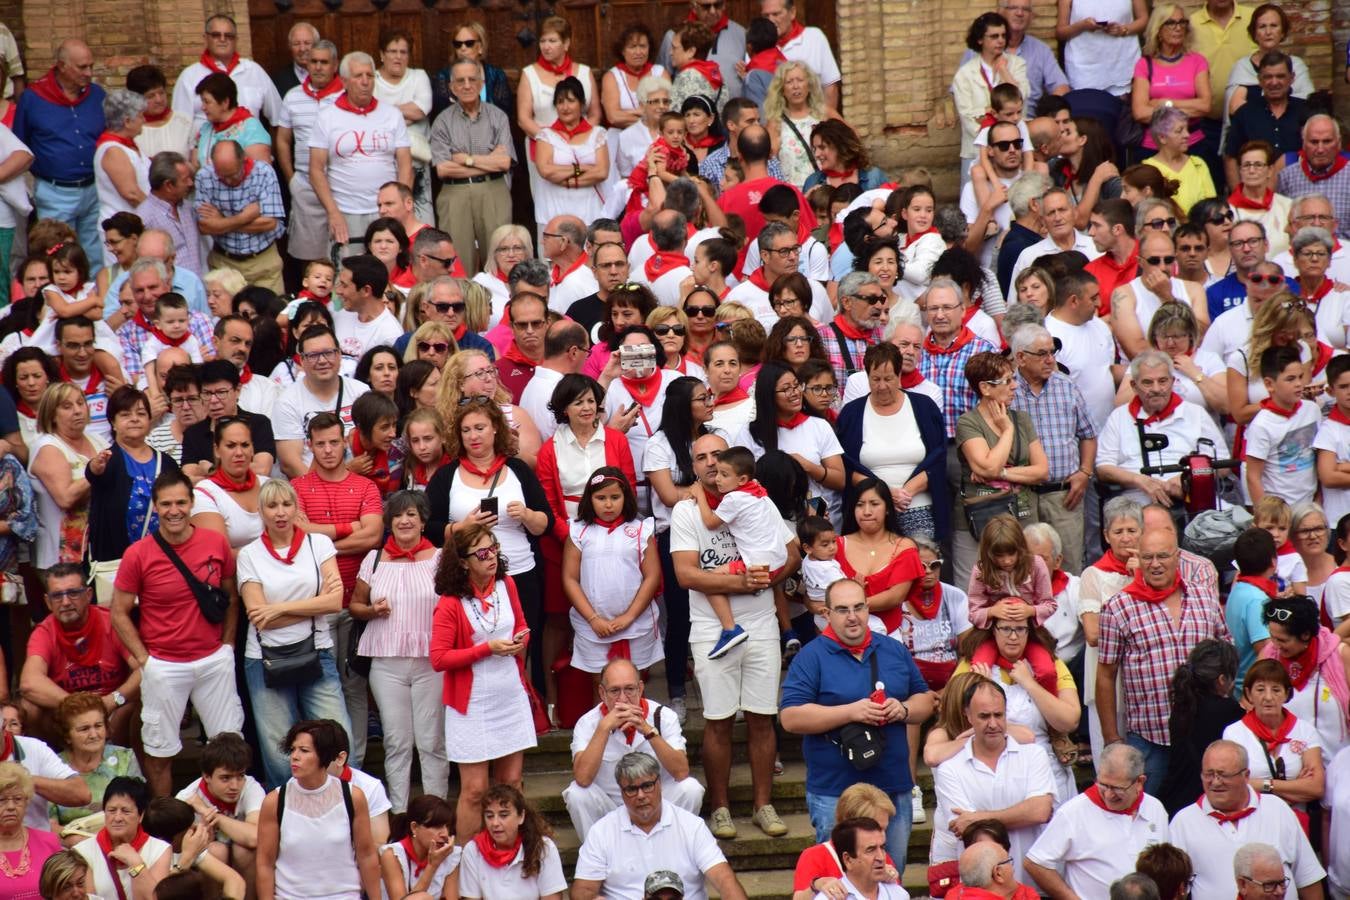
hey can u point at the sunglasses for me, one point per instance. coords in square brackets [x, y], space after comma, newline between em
[445, 261]
[432, 347]
[483, 554]
[1159, 224]
[663, 330]
[1005, 146]
[1220, 218]
[695, 312]
[462, 45]
[1160, 260]
[1266, 279]
[444, 308]
[934, 565]
[465, 401]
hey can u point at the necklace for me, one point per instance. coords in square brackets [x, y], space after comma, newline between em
[484, 624]
[25, 862]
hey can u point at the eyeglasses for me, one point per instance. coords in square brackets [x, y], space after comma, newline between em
[822, 390]
[478, 400]
[185, 401]
[222, 393]
[1155, 557]
[711, 5]
[488, 372]
[432, 347]
[1312, 255]
[934, 565]
[1246, 243]
[790, 390]
[662, 102]
[1114, 788]
[707, 398]
[533, 325]
[1316, 217]
[1279, 886]
[1039, 354]
[1253, 165]
[1012, 630]
[663, 330]
[221, 35]
[696, 312]
[317, 356]
[998, 382]
[859, 609]
[483, 554]
[1159, 224]
[642, 787]
[1160, 260]
[623, 690]
[550, 234]
[1266, 279]
[1005, 146]
[785, 302]
[464, 45]
[1216, 775]
[785, 252]
[796, 339]
[72, 594]
[1274, 614]
[1176, 23]
[1316, 531]
[445, 308]
[445, 261]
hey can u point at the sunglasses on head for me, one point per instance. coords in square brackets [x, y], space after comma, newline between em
[465, 401]
[1160, 260]
[1266, 279]
[433, 347]
[483, 554]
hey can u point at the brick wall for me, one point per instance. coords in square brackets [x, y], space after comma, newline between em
[898, 58]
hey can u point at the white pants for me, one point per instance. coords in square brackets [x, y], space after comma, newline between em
[588, 805]
[408, 692]
[166, 688]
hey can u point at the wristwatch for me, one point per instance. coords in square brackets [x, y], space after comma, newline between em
[119, 698]
[468, 161]
[136, 870]
[1267, 787]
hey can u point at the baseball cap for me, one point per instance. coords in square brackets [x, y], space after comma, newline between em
[662, 880]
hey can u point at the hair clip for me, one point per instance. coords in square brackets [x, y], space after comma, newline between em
[601, 479]
[51, 251]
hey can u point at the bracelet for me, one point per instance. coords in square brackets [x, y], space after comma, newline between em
[1085, 472]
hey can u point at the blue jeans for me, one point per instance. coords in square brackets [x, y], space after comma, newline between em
[275, 710]
[821, 809]
[1155, 761]
[78, 208]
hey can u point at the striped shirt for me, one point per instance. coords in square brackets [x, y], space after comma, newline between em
[339, 503]
[1061, 417]
[298, 112]
[410, 589]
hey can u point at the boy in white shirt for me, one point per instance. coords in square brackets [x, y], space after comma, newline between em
[1279, 457]
[171, 330]
[1332, 443]
[755, 524]
[820, 567]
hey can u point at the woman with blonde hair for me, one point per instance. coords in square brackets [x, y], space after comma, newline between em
[793, 106]
[477, 306]
[671, 326]
[508, 245]
[1035, 286]
[221, 286]
[469, 373]
[818, 869]
[23, 850]
[65, 876]
[1279, 321]
[432, 341]
[56, 465]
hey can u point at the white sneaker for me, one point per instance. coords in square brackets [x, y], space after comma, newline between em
[916, 805]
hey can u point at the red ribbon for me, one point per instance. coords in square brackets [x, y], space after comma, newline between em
[498, 858]
[49, 88]
[1059, 580]
[393, 551]
[911, 238]
[297, 538]
[492, 469]
[418, 864]
[737, 394]
[95, 378]
[925, 603]
[636, 73]
[797, 418]
[849, 329]
[1271, 406]
[858, 650]
[1239, 200]
[161, 117]
[140, 320]
[753, 488]
[333, 87]
[1230, 818]
[1301, 667]
[419, 469]
[1264, 585]
[227, 808]
[1272, 739]
[558, 275]
[1335, 415]
[643, 390]
[221, 478]
[1136, 407]
[910, 380]
[1111, 563]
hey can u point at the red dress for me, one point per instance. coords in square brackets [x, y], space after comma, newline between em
[903, 566]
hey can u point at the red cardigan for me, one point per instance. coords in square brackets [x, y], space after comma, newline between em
[617, 453]
[452, 653]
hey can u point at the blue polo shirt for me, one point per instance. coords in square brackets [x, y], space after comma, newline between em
[1229, 292]
[827, 674]
[1243, 613]
[62, 137]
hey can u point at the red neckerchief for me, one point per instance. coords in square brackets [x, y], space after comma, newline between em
[108, 137]
[969, 313]
[493, 855]
[711, 72]
[1239, 200]
[1335, 415]
[910, 380]
[484, 595]
[1141, 590]
[965, 336]
[797, 418]
[581, 127]
[1059, 580]
[95, 378]
[334, 86]
[1272, 739]
[1316, 296]
[105, 846]
[240, 114]
[766, 61]
[418, 864]
[345, 774]
[1228, 818]
[82, 646]
[1066, 172]
[1136, 407]
[631, 731]
[1264, 585]
[926, 603]
[245, 375]
[718, 28]
[460, 331]
[492, 469]
[228, 808]
[639, 73]
[31, 413]
[1271, 406]
[911, 238]
[161, 117]
[393, 551]
[610, 524]
[8, 751]
[849, 329]
[558, 275]
[758, 280]
[154, 330]
[663, 261]
[714, 498]
[516, 355]
[856, 651]
[1286, 549]
[840, 175]
[1111, 563]
[297, 539]
[1095, 796]
[499, 275]
[737, 394]
[49, 89]
[1301, 667]
[1314, 177]
[703, 143]
[216, 65]
[562, 68]
[1324, 353]
[344, 103]
[643, 390]
[219, 477]
[753, 488]
[420, 474]
[793, 33]
[379, 464]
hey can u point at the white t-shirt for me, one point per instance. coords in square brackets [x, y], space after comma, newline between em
[622, 856]
[970, 208]
[892, 448]
[666, 287]
[1094, 847]
[361, 152]
[415, 87]
[13, 194]
[813, 48]
[756, 299]
[256, 92]
[298, 112]
[258, 395]
[241, 526]
[1286, 445]
[377, 798]
[1211, 844]
[356, 337]
[576, 284]
[479, 881]
[857, 386]
[1334, 438]
[1063, 623]
[1336, 596]
[817, 575]
[1087, 351]
[443, 871]
[618, 399]
[1118, 442]
[659, 717]
[300, 580]
[1046, 246]
[41, 761]
[535, 397]
[815, 441]
[755, 526]
[753, 612]
[1303, 736]
[657, 456]
[296, 406]
[813, 261]
[250, 798]
[1229, 332]
[510, 533]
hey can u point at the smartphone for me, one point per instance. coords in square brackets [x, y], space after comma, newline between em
[520, 635]
[1102, 23]
[488, 505]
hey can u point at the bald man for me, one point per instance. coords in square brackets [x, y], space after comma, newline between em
[155, 243]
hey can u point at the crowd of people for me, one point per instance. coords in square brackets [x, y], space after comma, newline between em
[305, 442]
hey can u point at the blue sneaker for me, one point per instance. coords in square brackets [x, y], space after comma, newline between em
[730, 639]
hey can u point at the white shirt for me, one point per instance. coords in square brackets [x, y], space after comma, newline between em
[1063, 623]
[1230, 331]
[479, 881]
[659, 717]
[576, 284]
[535, 397]
[756, 300]
[1095, 847]
[885, 891]
[414, 87]
[755, 524]
[813, 262]
[296, 406]
[281, 583]
[1337, 270]
[361, 153]
[622, 855]
[1046, 245]
[813, 48]
[298, 112]
[241, 526]
[1303, 736]
[970, 208]
[377, 799]
[648, 420]
[1334, 438]
[666, 287]
[1211, 844]
[1087, 351]
[816, 441]
[1286, 446]
[857, 386]
[1118, 443]
[259, 395]
[356, 337]
[963, 782]
[250, 798]
[1337, 800]
[41, 761]
[14, 201]
[256, 92]
[102, 875]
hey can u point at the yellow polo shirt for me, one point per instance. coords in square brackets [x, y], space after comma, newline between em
[1222, 46]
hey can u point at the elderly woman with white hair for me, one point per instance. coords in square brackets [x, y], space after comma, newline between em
[653, 99]
[1311, 249]
[121, 172]
[221, 286]
[507, 246]
[1170, 129]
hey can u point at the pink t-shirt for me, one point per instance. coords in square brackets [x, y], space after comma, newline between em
[41, 845]
[1172, 81]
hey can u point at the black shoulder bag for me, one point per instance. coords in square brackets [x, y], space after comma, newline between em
[214, 602]
[356, 663]
[862, 744]
[297, 663]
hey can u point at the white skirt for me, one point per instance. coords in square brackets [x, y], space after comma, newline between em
[589, 654]
[498, 721]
